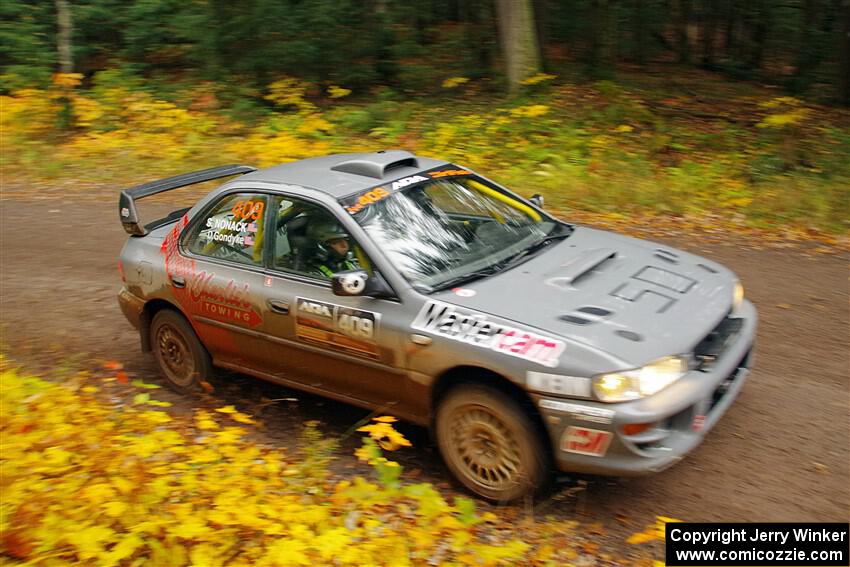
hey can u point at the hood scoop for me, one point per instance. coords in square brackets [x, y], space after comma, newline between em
[578, 267]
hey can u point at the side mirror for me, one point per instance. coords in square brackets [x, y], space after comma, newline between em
[537, 199]
[358, 282]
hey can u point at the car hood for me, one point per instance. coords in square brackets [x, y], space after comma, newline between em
[632, 299]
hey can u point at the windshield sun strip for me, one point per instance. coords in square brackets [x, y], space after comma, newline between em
[355, 203]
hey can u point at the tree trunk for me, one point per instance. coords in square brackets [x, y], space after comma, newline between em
[709, 31]
[519, 40]
[806, 47]
[541, 19]
[603, 39]
[729, 43]
[63, 36]
[640, 31]
[844, 54]
[761, 29]
[683, 19]
[479, 20]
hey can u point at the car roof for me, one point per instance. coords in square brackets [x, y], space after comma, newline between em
[340, 175]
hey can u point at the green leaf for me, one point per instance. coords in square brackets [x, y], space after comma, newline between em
[139, 384]
[139, 399]
[466, 511]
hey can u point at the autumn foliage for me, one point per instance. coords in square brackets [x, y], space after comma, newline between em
[647, 149]
[88, 481]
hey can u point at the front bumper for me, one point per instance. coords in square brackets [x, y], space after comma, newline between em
[680, 416]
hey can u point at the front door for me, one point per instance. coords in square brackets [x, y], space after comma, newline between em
[347, 346]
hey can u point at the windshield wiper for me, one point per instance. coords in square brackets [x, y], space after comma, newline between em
[526, 254]
[477, 274]
[510, 262]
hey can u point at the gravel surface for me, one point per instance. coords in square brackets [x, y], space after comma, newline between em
[780, 454]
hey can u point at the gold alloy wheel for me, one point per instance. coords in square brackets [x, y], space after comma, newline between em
[490, 443]
[486, 448]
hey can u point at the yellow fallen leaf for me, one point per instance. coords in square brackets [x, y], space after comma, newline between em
[190, 528]
[90, 541]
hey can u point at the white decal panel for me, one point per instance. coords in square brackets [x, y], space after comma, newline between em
[474, 328]
[578, 411]
[407, 181]
[558, 384]
[350, 330]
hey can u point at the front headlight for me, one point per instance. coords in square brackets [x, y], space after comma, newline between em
[738, 296]
[641, 382]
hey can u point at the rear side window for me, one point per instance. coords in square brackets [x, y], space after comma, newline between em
[232, 230]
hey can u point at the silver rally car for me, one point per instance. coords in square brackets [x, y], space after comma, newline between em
[419, 288]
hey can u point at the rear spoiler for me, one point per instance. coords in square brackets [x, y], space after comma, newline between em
[127, 200]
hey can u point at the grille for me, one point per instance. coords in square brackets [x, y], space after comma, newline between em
[724, 386]
[715, 342]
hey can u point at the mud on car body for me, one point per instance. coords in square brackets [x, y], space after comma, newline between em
[525, 342]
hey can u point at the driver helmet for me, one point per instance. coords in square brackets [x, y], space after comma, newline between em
[325, 232]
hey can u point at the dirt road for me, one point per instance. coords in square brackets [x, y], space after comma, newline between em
[780, 454]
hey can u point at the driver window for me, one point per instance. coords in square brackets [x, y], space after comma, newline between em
[232, 230]
[310, 241]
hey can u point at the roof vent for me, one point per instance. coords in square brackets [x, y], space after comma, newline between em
[377, 165]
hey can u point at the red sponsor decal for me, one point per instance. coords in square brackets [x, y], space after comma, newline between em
[228, 301]
[464, 292]
[202, 295]
[203, 286]
[586, 441]
[175, 264]
[698, 423]
[527, 345]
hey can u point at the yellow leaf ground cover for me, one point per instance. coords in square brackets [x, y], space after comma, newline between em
[87, 482]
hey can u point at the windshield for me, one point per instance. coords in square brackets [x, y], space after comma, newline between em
[451, 229]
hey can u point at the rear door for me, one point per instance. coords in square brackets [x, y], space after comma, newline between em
[218, 278]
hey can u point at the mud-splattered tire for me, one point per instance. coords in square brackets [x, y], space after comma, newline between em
[184, 361]
[490, 444]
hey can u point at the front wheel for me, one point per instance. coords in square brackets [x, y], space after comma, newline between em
[182, 358]
[490, 444]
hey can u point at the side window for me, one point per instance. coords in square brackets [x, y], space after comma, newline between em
[232, 230]
[310, 241]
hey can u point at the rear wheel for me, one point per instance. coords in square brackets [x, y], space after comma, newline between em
[182, 358]
[490, 444]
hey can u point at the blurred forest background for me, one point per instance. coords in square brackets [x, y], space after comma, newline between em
[728, 108]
